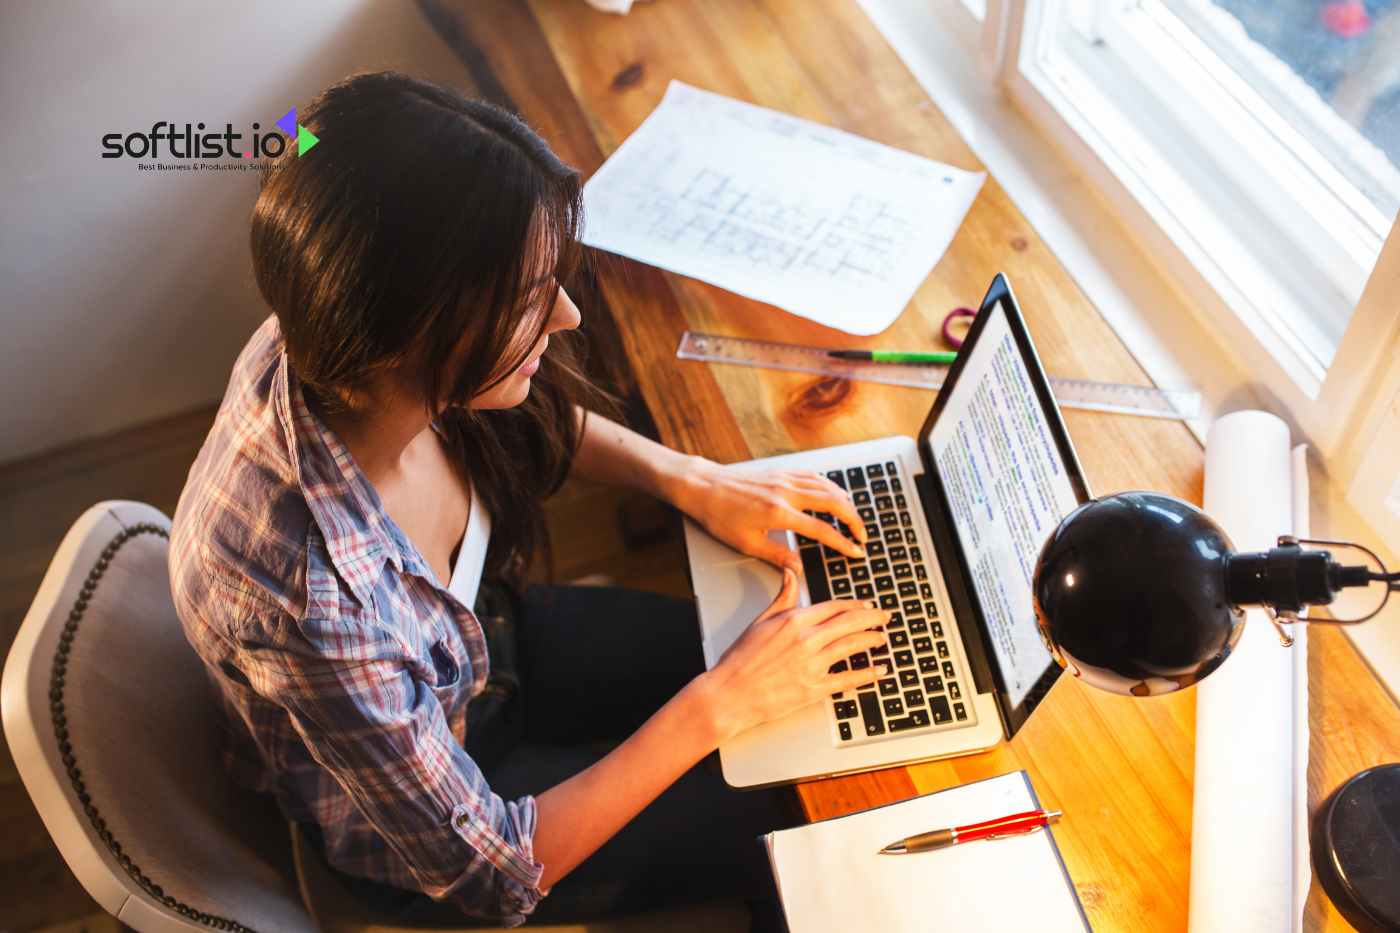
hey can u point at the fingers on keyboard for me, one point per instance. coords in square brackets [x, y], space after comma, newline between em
[903, 679]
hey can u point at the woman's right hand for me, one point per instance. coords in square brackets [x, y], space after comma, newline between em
[782, 661]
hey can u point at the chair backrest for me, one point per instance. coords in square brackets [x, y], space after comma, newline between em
[116, 735]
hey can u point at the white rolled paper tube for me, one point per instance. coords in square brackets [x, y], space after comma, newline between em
[1244, 839]
[1302, 729]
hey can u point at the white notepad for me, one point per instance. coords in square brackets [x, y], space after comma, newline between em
[831, 877]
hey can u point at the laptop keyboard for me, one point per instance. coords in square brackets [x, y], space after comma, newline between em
[924, 688]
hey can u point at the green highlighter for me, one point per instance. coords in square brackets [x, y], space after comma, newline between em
[894, 356]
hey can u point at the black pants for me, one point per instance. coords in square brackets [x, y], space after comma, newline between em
[593, 664]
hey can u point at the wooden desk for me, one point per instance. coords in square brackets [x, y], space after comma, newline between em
[1119, 767]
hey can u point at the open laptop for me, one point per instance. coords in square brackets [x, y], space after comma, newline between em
[956, 521]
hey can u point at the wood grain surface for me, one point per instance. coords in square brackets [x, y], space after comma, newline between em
[1120, 768]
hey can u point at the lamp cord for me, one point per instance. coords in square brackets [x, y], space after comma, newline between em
[1392, 579]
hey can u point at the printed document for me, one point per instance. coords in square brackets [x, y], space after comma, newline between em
[821, 223]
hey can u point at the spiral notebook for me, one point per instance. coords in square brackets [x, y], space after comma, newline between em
[831, 877]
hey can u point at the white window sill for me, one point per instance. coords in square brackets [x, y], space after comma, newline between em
[940, 43]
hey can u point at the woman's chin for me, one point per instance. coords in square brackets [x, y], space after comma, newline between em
[519, 391]
[506, 395]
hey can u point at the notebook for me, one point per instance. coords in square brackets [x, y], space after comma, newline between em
[830, 876]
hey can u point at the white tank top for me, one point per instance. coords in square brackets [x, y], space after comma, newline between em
[471, 555]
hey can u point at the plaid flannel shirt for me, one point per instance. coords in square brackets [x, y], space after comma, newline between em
[345, 668]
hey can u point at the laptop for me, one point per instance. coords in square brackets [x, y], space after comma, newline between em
[956, 519]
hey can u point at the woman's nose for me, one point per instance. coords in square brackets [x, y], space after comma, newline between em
[566, 315]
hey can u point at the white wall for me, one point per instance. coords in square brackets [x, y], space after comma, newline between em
[125, 295]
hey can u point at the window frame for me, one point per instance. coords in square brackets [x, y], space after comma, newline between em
[1301, 107]
[1353, 383]
[1298, 189]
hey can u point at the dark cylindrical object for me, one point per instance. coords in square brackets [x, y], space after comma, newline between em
[1285, 577]
[1356, 849]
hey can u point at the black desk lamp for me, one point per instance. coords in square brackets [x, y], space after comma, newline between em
[1141, 593]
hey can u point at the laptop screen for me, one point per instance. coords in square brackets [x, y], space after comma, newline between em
[1008, 476]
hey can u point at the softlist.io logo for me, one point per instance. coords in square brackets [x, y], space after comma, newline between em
[166, 140]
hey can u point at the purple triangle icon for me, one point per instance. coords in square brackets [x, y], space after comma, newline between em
[288, 123]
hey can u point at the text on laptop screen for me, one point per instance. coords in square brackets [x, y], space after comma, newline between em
[1007, 489]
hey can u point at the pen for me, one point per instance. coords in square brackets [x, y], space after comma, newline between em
[893, 356]
[1016, 824]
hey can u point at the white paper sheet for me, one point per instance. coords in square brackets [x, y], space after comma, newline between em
[821, 223]
[831, 876]
[1249, 843]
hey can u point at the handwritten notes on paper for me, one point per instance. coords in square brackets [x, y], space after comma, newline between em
[821, 223]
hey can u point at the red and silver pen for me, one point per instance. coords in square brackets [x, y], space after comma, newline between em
[1017, 824]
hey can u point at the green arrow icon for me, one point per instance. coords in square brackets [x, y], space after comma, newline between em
[305, 140]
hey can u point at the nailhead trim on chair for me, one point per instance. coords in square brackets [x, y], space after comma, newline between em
[60, 729]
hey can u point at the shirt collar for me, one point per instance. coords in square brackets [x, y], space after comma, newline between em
[358, 532]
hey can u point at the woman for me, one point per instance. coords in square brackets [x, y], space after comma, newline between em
[412, 398]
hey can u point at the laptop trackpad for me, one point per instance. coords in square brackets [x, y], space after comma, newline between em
[731, 597]
[705, 551]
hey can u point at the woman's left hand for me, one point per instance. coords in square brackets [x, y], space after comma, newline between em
[740, 510]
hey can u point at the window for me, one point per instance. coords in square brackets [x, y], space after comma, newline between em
[1324, 69]
[1253, 149]
[1218, 125]
[1221, 178]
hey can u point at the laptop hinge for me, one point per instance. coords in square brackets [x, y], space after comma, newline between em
[949, 560]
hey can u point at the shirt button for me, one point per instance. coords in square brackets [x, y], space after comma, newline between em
[462, 820]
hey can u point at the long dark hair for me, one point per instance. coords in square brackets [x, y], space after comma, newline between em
[428, 227]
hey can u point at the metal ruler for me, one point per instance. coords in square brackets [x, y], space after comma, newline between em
[1070, 393]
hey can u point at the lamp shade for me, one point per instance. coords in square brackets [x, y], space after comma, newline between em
[1130, 594]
